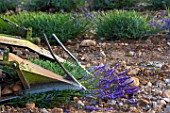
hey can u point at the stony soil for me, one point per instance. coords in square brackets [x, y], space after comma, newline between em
[148, 60]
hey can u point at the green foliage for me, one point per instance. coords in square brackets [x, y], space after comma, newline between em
[121, 24]
[46, 100]
[112, 4]
[46, 5]
[64, 26]
[76, 71]
[37, 5]
[7, 5]
[68, 5]
[159, 4]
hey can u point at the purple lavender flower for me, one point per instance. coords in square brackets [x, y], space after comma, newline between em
[150, 22]
[99, 11]
[163, 13]
[156, 24]
[48, 99]
[92, 15]
[108, 109]
[123, 73]
[133, 102]
[84, 77]
[91, 108]
[132, 90]
[67, 111]
[127, 84]
[123, 79]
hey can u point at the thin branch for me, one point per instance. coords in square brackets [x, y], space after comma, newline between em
[65, 70]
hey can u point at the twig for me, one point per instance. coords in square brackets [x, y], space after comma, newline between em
[65, 70]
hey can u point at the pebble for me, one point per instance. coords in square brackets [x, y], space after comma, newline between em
[80, 103]
[149, 84]
[168, 43]
[132, 72]
[161, 102]
[57, 110]
[130, 53]
[156, 106]
[30, 105]
[167, 109]
[135, 83]
[44, 110]
[166, 93]
[158, 91]
[113, 102]
[88, 43]
[167, 99]
[143, 102]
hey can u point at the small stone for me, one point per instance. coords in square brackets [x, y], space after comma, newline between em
[139, 54]
[135, 83]
[30, 105]
[112, 102]
[156, 106]
[57, 110]
[88, 43]
[125, 108]
[80, 103]
[148, 72]
[133, 109]
[165, 67]
[44, 110]
[6, 90]
[167, 109]
[168, 43]
[149, 84]
[158, 91]
[167, 99]
[166, 93]
[161, 102]
[132, 72]
[130, 53]
[143, 102]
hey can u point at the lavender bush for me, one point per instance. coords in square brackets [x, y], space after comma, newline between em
[161, 23]
[107, 84]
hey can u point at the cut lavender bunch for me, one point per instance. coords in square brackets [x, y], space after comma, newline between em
[105, 83]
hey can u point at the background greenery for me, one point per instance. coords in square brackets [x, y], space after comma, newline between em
[64, 26]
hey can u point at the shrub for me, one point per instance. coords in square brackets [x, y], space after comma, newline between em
[46, 5]
[111, 4]
[68, 5]
[161, 23]
[64, 26]
[8, 5]
[37, 5]
[159, 4]
[121, 24]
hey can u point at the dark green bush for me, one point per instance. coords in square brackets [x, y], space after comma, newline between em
[55, 5]
[64, 26]
[7, 5]
[121, 24]
[111, 4]
[36, 5]
[159, 4]
[68, 5]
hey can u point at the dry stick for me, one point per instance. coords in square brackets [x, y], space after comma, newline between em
[68, 52]
[65, 70]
